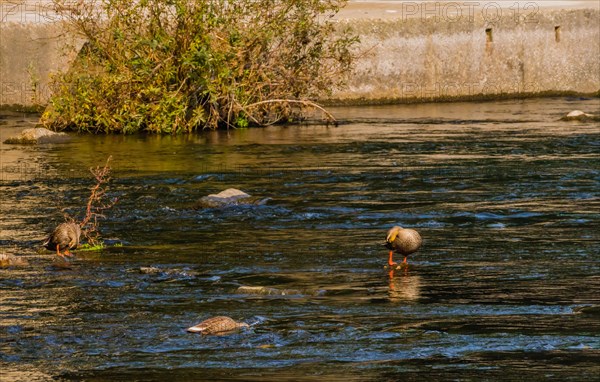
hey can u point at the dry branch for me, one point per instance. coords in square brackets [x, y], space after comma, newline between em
[97, 202]
[306, 103]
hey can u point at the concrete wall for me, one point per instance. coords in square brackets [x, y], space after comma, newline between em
[29, 54]
[436, 58]
[410, 57]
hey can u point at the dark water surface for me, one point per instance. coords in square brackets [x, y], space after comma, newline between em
[506, 197]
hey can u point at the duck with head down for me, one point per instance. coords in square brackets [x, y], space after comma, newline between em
[403, 241]
[64, 237]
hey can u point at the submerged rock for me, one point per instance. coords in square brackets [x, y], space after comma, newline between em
[168, 274]
[229, 197]
[268, 291]
[150, 270]
[396, 267]
[37, 135]
[578, 115]
[61, 263]
[592, 310]
[12, 261]
[217, 325]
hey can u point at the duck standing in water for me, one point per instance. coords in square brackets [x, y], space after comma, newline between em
[403, 241]
[64, 237]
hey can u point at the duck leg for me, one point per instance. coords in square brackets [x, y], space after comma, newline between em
[391, 275]
[58, 251]
[72, 244]
[405, 262]
[391, 260]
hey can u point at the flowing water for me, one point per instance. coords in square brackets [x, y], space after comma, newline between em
[506, 285]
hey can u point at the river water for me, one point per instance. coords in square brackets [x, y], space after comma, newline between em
[506, 197]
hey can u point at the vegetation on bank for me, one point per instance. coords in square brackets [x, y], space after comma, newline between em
[178, 66]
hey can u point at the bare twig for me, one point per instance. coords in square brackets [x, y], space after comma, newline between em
[96, 204]
[307, 103]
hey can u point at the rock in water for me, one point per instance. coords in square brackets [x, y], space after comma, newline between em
[168, 274]
[11, 261]
[37, 135]
[268, 291]
[217, 325]
[593, 310]
[578, 115]
[150, 270]
[231, 194]
[229, 197]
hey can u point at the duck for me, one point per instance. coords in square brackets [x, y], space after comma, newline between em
[64, 238]
[403, 241]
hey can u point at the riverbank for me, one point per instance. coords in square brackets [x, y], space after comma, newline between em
[410, 51]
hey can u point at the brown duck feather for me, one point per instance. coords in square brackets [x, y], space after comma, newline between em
[403, 240]
[65, 236]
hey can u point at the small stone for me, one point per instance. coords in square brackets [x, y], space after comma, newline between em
[149, 270]
[578, 115]
[227, 198]
[12, 261]
[230, 193]
[59, 263]
[592, 310]
[37, 135]
[267, 291]
[396, 267]
[168, 274]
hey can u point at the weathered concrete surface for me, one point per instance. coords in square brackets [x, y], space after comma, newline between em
[411, 51]
[29, 54]
[444, 56]
[404, 9]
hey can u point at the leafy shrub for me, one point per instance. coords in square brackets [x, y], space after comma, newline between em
[171, 66]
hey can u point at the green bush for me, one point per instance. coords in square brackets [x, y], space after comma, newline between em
[171, 66]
